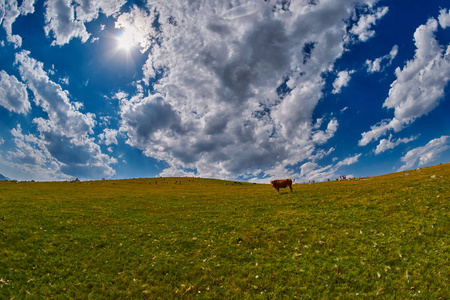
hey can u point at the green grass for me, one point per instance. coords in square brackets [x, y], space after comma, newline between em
[386, 236]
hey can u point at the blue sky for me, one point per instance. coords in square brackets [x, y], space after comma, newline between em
[248, 90]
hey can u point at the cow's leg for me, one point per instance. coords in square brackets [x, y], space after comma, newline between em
[290, 186]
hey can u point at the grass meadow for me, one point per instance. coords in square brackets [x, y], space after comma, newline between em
[385, 236]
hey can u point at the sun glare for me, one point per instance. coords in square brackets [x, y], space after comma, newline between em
[125, 41]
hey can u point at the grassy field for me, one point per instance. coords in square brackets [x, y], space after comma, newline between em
[384, 236]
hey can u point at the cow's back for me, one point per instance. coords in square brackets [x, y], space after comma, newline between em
[281, 183]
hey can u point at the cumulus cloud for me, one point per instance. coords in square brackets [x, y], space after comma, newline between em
[377, 64]
[419, 86]
[88, 10]
[27, 7]
[30, 150]
[63, 114]
[426, 154]
[30, 159]
[363, 28]
[13, 94]
[9, 11]
[109, 136]
[54, 157]
[342, 79]
[64, 137]
[147, 117]
[444, 18]
[65, 19]
[391, 143]
[236, 93]
[137, 26]
[61, 22]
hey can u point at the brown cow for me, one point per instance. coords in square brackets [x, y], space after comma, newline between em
[281, 184]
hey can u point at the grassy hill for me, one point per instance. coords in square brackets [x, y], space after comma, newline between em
[204, 238]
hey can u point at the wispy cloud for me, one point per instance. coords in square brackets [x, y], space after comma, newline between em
[349, 160]
[426, 154]
[313, 171]
[391, 143]
[379, 64]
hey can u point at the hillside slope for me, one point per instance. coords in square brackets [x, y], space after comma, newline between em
[190, 237]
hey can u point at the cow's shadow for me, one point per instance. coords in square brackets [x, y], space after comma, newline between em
[284, 193]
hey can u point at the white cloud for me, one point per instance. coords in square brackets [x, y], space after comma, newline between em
[391, 143]
[27, 7]
[426, 154]
[137, 27]
[64, 80]
[419, 85]
[349, 161]
[121, 95]
[13, 94]
[88, 10]
[30, 159]
[48, 156]
[64, 139]
[109, 136]
[65, 19]
[242, 10]
[216, 108]
[342, 79]
[321, 137]
[313, 171]
[376, 131]
[62, 113]
[376, 65]
[362, 28]
[61, 22]
[9, 11]
[444, 18]
[30, 150]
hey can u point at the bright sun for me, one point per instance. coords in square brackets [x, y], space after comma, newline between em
[125, 41]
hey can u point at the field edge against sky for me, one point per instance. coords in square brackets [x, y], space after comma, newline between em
[236, 89]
